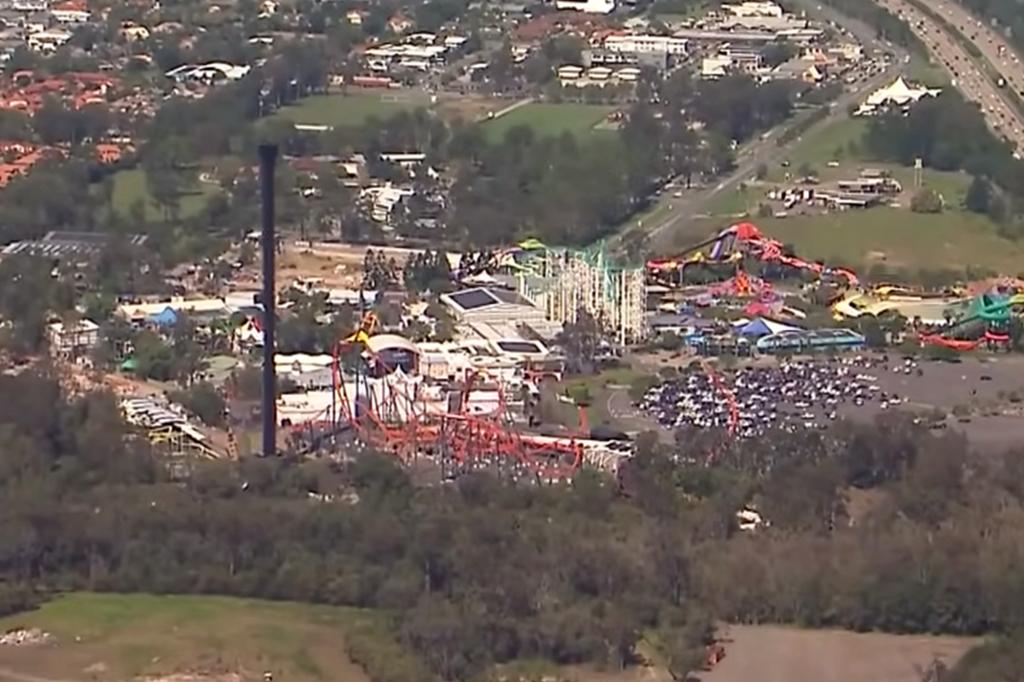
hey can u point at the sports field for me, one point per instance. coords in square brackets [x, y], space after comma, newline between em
[551, 120]
[130, 187]
[350, 109]
[107, 637]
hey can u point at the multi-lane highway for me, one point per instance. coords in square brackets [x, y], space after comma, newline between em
[992, 44]
[969, 74]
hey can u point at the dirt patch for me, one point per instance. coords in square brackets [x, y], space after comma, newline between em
[25, 637]
[229, 676]
[779, 654]
[470, 107]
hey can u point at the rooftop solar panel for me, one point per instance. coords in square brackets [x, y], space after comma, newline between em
[472, 299]
[519, 346]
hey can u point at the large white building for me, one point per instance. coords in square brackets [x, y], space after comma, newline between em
[646, 44]
[588, 6]
[72, 340]
[754, 9]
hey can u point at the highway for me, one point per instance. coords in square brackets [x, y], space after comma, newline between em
[995, 47]
[968, 74]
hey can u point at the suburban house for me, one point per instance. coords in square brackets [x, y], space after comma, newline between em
[72, 340]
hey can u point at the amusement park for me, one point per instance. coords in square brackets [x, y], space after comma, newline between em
[740, 295]
[534, 361]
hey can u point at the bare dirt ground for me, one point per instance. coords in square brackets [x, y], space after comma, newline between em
[470, 107]
[766, 653]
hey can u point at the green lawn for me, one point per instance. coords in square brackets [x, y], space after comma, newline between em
[834, 142]
[130, 187]
[134, 635]
[352, 109]
[954, 239]
[742, 199]
[551, 120]
[841, 142]
[926, 72]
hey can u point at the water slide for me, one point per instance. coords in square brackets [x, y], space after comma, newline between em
[984, 321]
[746, 238]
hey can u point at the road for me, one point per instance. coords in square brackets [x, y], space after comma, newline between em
[995, 47]
[767, 151]
[969, 74]
[762, 151]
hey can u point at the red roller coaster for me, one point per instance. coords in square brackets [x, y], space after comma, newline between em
[730, 399]
[464, 426]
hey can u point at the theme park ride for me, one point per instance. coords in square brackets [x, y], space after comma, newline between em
[722, 389]
[732, 245]
[462, 425]
[562, 282]
[984, 319]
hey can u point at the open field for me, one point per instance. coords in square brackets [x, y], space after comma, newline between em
[900, 239]
[895, 237]
[120, 637]
[778, 654]
[926, 72]
[130, 187]
[350, 109]
[551, 120]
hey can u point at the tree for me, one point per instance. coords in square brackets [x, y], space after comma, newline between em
[979, 195]
[926, 201]
[204, 401]
[580, 340]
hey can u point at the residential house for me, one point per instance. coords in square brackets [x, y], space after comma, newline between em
[72, 340]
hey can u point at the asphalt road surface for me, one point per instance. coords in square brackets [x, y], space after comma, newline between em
[993, 45]
[968, 73]
[765, 151]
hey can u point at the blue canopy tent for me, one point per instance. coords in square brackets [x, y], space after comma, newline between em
[165, 318]
[761, 326]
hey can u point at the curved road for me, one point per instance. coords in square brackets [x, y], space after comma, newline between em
[762, 151]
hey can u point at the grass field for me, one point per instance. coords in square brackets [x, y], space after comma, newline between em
[120, 637]
[551, 120]
[835, 142]
[351, 109]
[896, 236]
[927, 72]
[899, 238]
[130, 186]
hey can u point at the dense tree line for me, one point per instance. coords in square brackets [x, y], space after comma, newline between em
[486, 571]
[949, 133]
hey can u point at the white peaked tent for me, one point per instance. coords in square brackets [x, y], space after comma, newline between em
[897, 93]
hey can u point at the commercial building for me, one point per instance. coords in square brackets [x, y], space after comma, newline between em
[492, 305]
[587, 6]
[754, 9]
[72, 340]
[634, 44]
[810, 340]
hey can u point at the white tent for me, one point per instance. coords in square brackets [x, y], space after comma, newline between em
[897, 93]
